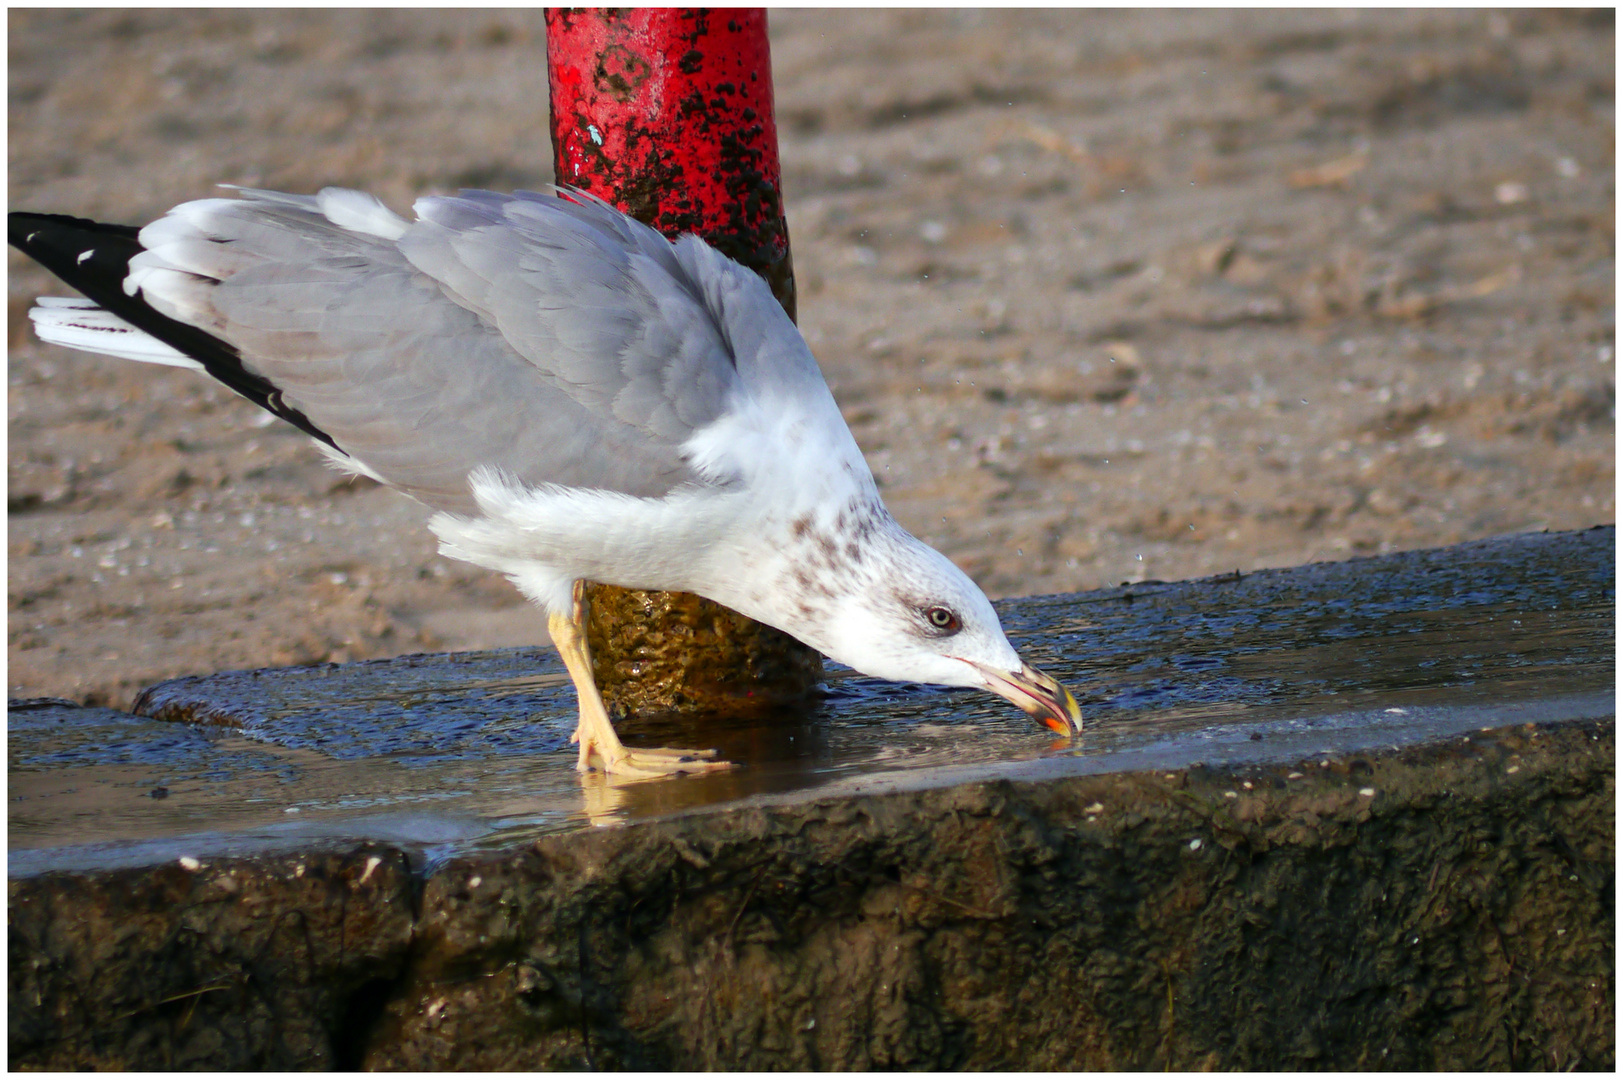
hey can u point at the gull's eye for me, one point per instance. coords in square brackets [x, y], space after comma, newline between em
[942, 620]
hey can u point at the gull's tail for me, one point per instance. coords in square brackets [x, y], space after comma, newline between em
[75, 323]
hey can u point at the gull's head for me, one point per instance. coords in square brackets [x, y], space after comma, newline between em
[915, 617]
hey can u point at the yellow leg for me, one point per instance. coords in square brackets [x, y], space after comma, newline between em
[599, 745]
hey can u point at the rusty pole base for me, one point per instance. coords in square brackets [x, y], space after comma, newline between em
[677, 652]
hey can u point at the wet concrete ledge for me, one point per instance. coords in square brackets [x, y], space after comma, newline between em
[1442, 897]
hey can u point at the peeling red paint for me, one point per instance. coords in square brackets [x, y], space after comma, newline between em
[667, 113]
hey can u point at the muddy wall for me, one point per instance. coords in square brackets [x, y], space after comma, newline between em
[1443, 907]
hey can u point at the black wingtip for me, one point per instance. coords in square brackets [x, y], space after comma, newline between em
[90, 256]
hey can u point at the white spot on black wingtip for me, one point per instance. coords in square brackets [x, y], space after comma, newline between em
[83, 255]
[29, 239]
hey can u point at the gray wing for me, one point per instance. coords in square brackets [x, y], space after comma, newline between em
[560, 342]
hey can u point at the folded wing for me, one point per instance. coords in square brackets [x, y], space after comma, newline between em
[558, 341]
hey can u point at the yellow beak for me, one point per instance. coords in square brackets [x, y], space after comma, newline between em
[1038, 696]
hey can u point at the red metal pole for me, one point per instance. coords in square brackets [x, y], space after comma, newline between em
[667, 113]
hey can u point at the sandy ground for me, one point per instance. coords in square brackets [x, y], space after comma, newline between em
[1104, 296]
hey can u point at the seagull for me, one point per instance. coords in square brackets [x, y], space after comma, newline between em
[575, 396]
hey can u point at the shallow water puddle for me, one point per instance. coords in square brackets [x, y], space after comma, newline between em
[451, 751]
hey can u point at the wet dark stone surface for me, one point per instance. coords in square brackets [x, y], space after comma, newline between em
[265, 963]
[1356, 815]
[1110, 922]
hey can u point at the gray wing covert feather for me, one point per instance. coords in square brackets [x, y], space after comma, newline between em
[557, 343]
[603, 309]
